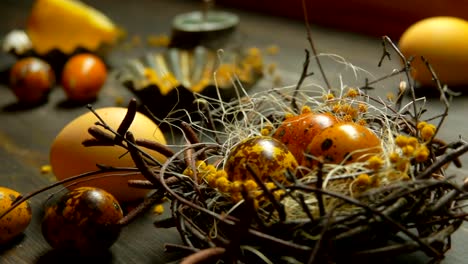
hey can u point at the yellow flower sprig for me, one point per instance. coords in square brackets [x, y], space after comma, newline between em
[218, 178]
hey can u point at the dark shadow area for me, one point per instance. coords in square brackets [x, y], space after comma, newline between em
[58, 256]
[433, 92]
[20, 106]
[69, 104]
[12, 243]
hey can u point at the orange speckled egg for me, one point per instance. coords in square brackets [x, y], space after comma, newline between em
[298, 131]
[84, 220]
[16, 221]
[68, 157]
[31, 80]
[268, 157]
[347, 141]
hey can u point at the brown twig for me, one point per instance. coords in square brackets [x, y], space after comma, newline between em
[156, 146]
[100, 138]
[127, 121]
[145, 170]
[210, 121]
[191, 136]
[313, 258]
[240, 230]
[443, 98]
[304, 206]
[319, 185]
[407, 65]
[141, 184]
[208, 255]
[442, 161]
[304, 74]
[141, 208]
[145, 184]
[278, 206]
[312, 45]
[129, 144]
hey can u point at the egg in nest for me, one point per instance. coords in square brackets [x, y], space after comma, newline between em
[266, 156]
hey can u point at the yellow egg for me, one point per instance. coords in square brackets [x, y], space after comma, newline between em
[268, 157]
[16, 221]
[443, 41]
[68, 157]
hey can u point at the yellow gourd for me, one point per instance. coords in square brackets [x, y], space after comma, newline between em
[67, 25]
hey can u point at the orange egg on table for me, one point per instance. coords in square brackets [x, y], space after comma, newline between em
[298, 131]
[83, 77]
[16, 221]
[347, 141]
[68, 157]
[31, 79]
[443, 41]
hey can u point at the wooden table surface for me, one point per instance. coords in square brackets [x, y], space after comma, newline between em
[26, 134]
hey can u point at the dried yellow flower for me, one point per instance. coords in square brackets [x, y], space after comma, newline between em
[158, 209]
[427, 132]
[408, 150]
[223, 184]
[306, 109]
[375, 162]
[421, 154]
[401, 140]
[394, 157]
[352, 93]
[362, 107]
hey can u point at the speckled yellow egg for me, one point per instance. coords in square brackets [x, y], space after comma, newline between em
[268, 157]
[68, 156]
[16, 221]
[84, 220]
[443, 41]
